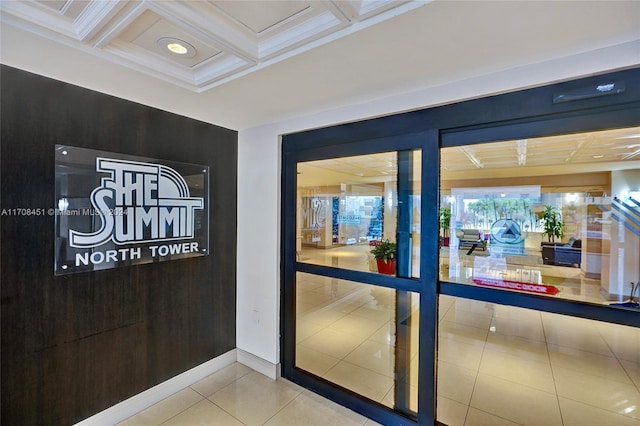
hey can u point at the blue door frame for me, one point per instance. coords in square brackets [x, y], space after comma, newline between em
[523, 114]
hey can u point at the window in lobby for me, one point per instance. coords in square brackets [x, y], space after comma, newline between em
[361, 337]
[347, 205]
[557, 216]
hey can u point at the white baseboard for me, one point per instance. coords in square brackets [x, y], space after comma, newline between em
[259, 364]
[146, 399]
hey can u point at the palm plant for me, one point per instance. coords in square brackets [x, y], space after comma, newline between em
[553, 226]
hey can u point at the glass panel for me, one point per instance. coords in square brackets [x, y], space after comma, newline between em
[349, 205]
[116, 210]
[359, 336]
[506, 365]
[556, 216]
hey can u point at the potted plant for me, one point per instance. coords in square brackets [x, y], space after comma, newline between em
[385, 255]
[553, 226]
[445, 220]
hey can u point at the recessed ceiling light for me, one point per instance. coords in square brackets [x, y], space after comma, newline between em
[598, 156]
[176, 47]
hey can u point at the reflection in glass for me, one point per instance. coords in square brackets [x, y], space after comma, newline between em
[556, 216]
[359, 336]
[118, 210]
[346, 206]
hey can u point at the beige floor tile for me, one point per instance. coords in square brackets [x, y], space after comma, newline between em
[476, 417]
[313, 361]
[504, 311]
[587, 362]
[306, 329]
[448, 330]
[598, 391]
[577, 414]
[254, 398]
[360, 380]
[358, 326]
[389, 399]
[521, 347]
[385, 334]
[371, 423]
[455, 382]
[625, 343]
[305, 306]
[624, 332]
[445, 302]
[323, 317]
[310, 409]
[462, 354]
[375, 311]
[203, 413]
[515, 402]
[633, 370]
[451, 412]
[529, 329]
[474, 319]
[333, 343]
[578, 339]
[312, 297]
[475, 306]
[339, 289]
[554, 322]
[346, 304]
[513, 368]
[375, 356]
[165, 409]
[213, 383]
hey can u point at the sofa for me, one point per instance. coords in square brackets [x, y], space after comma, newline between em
[563, 254]
[469, 238]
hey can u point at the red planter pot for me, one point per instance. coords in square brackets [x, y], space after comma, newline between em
[388, 267]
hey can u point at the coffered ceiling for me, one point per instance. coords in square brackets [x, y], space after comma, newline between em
[223, 39]
[256, 62]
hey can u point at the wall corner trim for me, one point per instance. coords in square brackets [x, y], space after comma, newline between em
[259, 364]
[143, 400]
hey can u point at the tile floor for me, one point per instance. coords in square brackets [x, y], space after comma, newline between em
[505, 365]
[498, 365]
[237, 395]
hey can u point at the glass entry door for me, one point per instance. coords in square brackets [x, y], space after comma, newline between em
[353, 295]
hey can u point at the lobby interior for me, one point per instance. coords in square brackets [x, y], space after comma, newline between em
[496, 364]
[490, 357]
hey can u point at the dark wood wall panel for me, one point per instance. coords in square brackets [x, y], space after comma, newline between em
[74, 345]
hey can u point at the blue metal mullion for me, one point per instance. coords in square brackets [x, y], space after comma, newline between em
[288, 243]
[406, 284]
[403, 320]
[403, 232]
[630, 317]
[429, 232]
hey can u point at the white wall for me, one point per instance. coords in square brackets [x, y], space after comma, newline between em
[259, 177]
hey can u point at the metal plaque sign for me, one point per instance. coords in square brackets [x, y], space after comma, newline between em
[116, 210]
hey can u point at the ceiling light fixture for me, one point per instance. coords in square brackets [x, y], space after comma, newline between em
[522, 152]
[598, 156]
[632, 136]
[176, 47]
[631, 154]
[470, 155]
